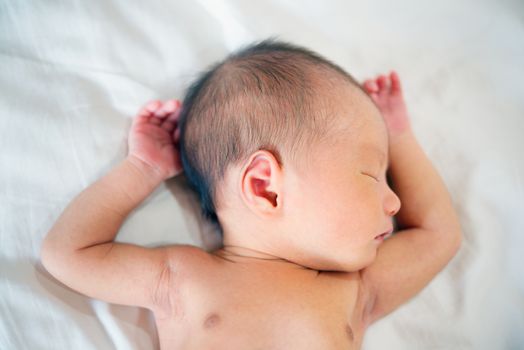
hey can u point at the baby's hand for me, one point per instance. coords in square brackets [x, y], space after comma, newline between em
[387, 94]
[154, 135]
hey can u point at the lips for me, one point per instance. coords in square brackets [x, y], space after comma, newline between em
[383, 235]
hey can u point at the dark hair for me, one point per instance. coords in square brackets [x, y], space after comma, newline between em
[264, 96]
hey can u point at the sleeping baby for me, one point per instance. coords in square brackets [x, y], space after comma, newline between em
[303, 170]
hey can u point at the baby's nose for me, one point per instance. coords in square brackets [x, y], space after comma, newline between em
[393, 204]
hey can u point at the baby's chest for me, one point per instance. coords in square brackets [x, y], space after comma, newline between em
[276, 313]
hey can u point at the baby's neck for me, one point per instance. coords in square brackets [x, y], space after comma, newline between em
[245, 255]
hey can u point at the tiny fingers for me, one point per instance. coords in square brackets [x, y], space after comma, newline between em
[171, 121]
[145, 113]
[383, 86]
[396, 87]
[383, 83]
[371, 86]
[149, 108]
[156, 111]
[167, 108]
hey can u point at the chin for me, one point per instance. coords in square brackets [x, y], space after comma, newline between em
[323, 264]
[341, 262]
[341, 265]
[352, 265]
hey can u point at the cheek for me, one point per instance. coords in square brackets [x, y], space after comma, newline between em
[334, 209]
[345, 215]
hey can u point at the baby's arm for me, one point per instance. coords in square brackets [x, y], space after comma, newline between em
[430, 232]
[79, 249]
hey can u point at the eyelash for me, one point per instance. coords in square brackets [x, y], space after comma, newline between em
[374, 178]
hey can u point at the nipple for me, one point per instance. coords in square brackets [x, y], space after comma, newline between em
[211, 321]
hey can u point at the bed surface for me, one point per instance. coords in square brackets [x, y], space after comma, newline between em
[74, 73]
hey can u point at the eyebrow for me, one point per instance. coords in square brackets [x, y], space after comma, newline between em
[383, 156]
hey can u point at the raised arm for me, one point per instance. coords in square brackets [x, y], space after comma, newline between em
[79, 249]
[429, 230]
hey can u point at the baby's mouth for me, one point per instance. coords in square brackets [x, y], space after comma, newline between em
[383, 235]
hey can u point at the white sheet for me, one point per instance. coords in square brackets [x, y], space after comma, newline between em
[73, 73]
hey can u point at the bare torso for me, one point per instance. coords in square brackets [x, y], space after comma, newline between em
[229, 305]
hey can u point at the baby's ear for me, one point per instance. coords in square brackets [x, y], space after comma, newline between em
[261, 183]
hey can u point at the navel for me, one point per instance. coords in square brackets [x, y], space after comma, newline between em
[349, 332]
[211, 321]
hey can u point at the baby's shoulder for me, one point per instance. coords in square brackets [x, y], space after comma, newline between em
[191, 265]
[185, 256]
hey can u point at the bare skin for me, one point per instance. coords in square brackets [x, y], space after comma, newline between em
[318, 291]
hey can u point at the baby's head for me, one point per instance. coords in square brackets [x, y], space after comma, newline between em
[283, 148]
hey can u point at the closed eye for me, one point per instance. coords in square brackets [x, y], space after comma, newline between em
[374, 178]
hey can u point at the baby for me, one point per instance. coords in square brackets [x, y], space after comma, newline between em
[291, 157]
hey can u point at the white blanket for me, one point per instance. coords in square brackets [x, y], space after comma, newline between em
[73, 73]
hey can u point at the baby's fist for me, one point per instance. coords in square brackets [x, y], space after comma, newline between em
[153, 137]
[386, 92]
